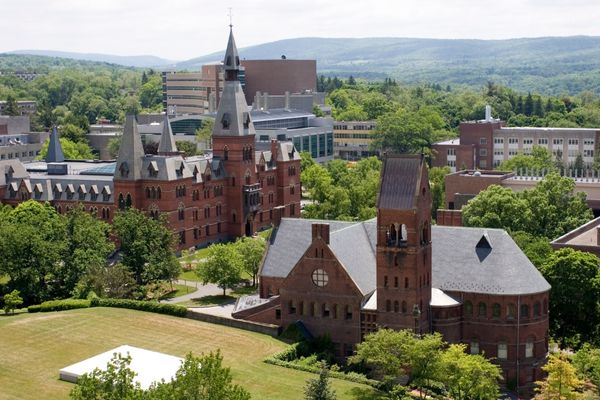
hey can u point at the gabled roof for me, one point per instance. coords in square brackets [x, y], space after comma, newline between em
[349, 241]
[400, 178]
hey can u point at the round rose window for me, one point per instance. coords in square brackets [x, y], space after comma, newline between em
[320, 278]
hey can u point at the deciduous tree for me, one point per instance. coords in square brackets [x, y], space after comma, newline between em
[147, 245]
[252, 251]
[12, 301]
[561, 383]
[222, 266]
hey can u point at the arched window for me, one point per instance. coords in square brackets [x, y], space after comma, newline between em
[468, 309]
[388, 305]
[396, 306]
[502, 351]
[158, 192]
[404, 308]
[511, 311]
[225, 153]
[537, 309]
[529, 348]
[128, 201]
[403, 233]
[392, 235]
[496, 310]
[524, 311]
[482, 310]
[121, 202]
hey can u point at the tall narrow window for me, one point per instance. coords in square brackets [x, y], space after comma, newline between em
[502, 351]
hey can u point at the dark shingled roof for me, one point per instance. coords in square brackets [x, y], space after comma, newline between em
[399, 180]
[458, 264]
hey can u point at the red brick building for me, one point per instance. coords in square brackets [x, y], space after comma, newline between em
[237, 190]
[346, 279]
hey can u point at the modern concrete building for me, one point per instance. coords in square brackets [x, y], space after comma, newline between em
[279, 76]
[347, 279]
[352, 139]
[17, 140]
[486, 143]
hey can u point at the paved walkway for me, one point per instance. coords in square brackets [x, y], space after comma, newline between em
[201, 291]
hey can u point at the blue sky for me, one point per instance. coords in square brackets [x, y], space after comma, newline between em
[183, 29]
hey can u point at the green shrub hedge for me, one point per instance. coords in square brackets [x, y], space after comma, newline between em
[70, 304]
[59, 305]
[159, 308]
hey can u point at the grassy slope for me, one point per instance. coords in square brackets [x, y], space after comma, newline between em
[36, 346]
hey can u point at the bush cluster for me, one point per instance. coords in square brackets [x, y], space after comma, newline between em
[288, 358]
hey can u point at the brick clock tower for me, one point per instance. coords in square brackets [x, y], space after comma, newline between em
[404, 245]
[233, 140]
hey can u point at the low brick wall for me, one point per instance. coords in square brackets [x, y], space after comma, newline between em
[267, 329]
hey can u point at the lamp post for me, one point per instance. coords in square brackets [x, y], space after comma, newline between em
[416, 315]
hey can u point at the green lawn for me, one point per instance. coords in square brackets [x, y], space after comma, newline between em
[180, 290]
[36, 346]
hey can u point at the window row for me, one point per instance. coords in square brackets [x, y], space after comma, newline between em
[324, 310]
[502, 348]
[510, 311]
[197, 232]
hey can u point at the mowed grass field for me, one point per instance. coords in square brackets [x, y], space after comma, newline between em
[33, 347]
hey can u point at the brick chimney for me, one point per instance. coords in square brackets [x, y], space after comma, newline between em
[277, 215]
[320, 231]
[274, 150]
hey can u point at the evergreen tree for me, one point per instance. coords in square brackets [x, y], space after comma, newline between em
[538, 109]
[144, 78]
[528, 106]
[320, 388]
[351, 81]
[12, 108]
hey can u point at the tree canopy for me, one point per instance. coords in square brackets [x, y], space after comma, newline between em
[222, 266]
[147, 245]
[71, 150]
[550, 210]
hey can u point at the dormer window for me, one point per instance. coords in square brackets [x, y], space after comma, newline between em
[195, 173]
[228, 61]
[225, 121]
[124, 170]
[106, 193]
[82, 192]
[70, 191]
[37, 191]
[246, 120]
[179, 171]
[153, 169]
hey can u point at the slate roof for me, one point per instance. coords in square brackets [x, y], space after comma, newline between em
[55, 152]
[349, 241]
[167, 140]
[457, 264]
[400, 178]
[131, 151]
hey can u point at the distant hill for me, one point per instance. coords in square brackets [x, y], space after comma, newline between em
[143, 61]
[550, 65]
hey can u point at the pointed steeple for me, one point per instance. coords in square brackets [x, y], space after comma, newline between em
[167, 144]
[233, 116]
[55, 152]
[131, 152]
[231, 62]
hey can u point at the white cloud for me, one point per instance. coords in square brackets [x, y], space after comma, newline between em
[181, 29]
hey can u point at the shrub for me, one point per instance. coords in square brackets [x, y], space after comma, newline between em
[59, 305]
[149, 306]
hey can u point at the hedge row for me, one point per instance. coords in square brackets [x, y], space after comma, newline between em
[159, 308]
[70, 304]
[283, 358]
[59, 305]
